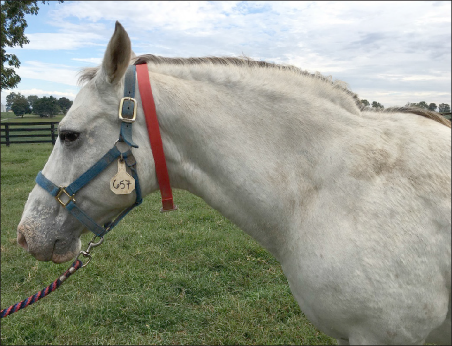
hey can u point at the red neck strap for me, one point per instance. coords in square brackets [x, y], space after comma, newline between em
[147, 100]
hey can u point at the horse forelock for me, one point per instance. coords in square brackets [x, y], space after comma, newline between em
[87, 74]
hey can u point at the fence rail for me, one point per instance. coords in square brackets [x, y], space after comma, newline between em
[16, 133]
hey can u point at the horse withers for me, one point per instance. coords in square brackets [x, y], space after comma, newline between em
[355, 205]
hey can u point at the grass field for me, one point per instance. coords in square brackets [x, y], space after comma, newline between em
[186, 277]
[10, 117]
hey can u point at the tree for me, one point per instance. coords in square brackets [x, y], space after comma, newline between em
[422, 104]
[12, 34]
[20, 106]
[432, 106]
[444, 108]
[46, 107]
[378, 105]
[365, 103]
[65, 104]
[31, 100]
[10, 99]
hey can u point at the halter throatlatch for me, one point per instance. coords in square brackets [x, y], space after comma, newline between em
[155, 138]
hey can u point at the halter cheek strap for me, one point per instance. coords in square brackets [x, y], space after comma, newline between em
[128, 108]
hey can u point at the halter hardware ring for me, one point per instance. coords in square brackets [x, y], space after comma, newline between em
[128, 120]
[60, 192]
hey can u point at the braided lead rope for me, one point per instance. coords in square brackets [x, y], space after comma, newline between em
[41, 294]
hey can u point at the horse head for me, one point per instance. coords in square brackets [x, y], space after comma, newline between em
[86, 133]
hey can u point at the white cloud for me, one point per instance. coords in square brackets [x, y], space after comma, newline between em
[95, 61]
[49, 72]
[60, 41]
[419, 77]
[169, 15]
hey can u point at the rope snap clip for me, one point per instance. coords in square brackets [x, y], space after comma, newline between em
[87, 253]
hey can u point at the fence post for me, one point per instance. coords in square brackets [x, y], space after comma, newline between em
[52, 129]
[7, 134]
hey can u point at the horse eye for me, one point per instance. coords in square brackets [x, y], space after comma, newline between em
[68, 136]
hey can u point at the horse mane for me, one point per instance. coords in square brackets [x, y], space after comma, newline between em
[89, 73]
[245, 62]
[415, 110]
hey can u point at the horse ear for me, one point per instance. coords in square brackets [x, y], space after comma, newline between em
[117, 56]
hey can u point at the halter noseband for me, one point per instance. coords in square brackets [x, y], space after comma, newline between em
[127, 114]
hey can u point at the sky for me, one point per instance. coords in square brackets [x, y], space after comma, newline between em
[390, 52]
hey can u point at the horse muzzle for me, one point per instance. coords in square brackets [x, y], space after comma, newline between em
[44, 247]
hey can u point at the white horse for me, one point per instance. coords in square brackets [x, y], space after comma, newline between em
[356, 206]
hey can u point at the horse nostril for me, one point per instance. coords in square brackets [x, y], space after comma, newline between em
[22, 241]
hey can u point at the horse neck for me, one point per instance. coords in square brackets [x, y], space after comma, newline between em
[229, 147]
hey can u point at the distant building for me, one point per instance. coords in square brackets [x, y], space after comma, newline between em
[3, 108]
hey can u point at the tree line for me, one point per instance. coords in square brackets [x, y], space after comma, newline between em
[42, 106]
[51, 106]
[441, 108]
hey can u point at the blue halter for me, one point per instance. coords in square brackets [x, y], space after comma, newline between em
[65, 195]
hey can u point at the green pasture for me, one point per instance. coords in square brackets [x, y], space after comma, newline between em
[186, 277]
[10, 117]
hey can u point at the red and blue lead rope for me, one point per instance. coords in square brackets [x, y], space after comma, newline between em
[45, 292]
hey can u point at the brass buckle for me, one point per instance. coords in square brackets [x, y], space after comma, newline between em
[63, 190]
[127, 120]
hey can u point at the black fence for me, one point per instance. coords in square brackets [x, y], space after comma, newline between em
[30, 132]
